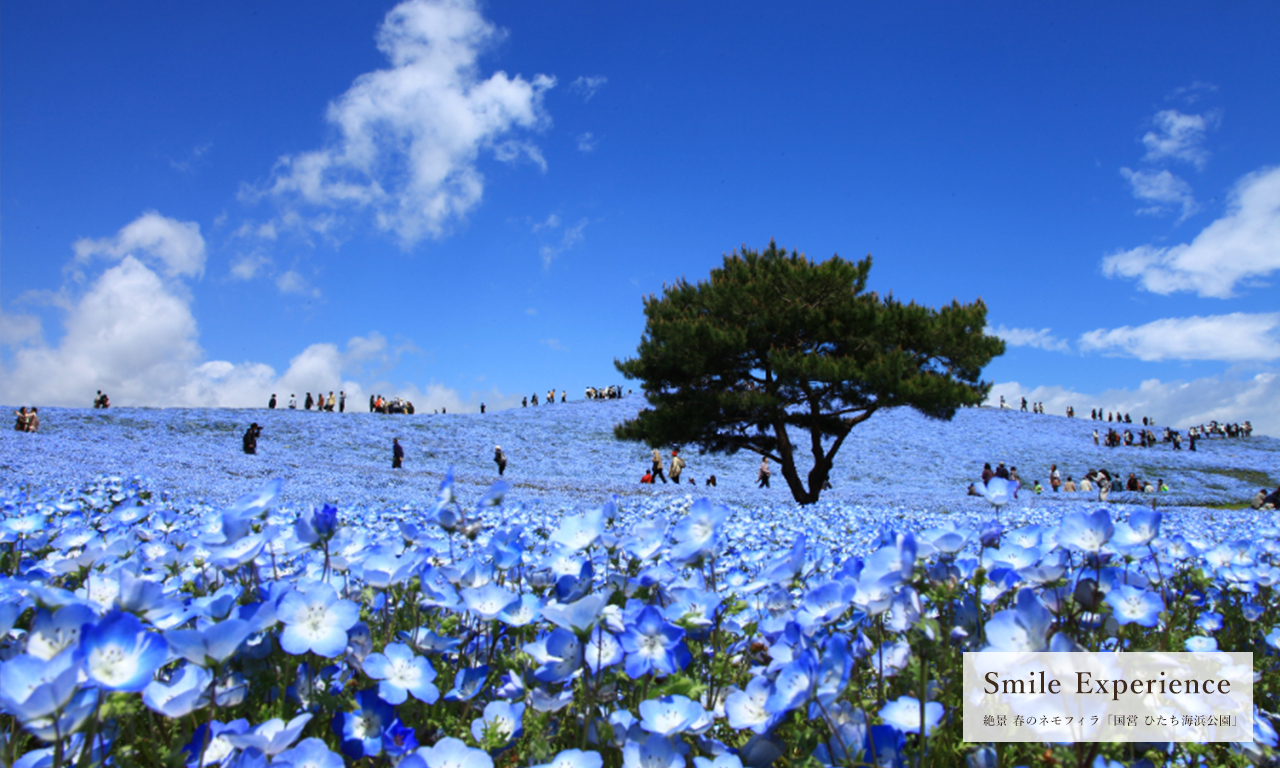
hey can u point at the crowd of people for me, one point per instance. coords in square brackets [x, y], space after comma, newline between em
[101, 401]
[1101, 480]
[1264, 500]
[28, 419]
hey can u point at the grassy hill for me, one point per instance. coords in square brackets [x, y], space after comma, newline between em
[565, 454]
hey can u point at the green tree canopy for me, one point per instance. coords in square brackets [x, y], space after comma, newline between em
[774, 345]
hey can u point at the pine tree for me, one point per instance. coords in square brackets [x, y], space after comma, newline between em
[774, 345]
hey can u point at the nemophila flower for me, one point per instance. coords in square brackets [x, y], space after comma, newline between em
[746, 708]
[316, 620]
[574, 758]
[1088, 533]
[695, 535]
[209, 744]
[501, 724]
[722, 760]
[904, 714]
[1130, 605]
[653, 645]
[848, 734]
[1209, 622]
[52, 633]
[186, 691]
[1201, 644]
[580, 531]
[402, 673]
[468, 683]
[602, 650]
[361, 730]
[559, 656]
[645, 540]
[452, 753]
[398, 740]
[210, 646]
[1022, 628]
[999, 491]
[317, 525]
[1141, 528]
[522, 612]
[488, 601]
[794, 684]
[310, 753]
[670, 715]
[655, 751]
[1273, 638]
[120, 654]
[32, 688]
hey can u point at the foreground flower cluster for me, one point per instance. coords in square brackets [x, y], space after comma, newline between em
[146, 631]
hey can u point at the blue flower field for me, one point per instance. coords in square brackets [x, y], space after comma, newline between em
[167, 600]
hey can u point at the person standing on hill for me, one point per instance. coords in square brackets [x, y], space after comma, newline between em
[397, 454]
[762, 479]
[272, 402]
[331, 403]
[1055, 478]
[677, 466]
[308, 402]
[500, 459]
[342, 402]
[250, 439]
[987, 473]
[657, 467]
[293, 402]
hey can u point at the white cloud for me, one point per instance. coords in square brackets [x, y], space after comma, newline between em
[131, 333]
[1242, 245]
[587, 86]
[1178, 404]
[552, 221]
[554, 344]
[408, 137]
[1029, 337]
[1192, 93]
[587, 142]
[175, 245]
[1162, 190]
[511, 152]
[1177, 136]
[1237, 337]
[292, 281]
[249, 265]
[571, 237]
[16, 330]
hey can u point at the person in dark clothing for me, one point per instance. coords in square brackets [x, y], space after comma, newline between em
[272, 402]
[524, 402]
[251, 439]
[308, 402]
[397, 454]
[482, 407]
[1273, 499]
[987, 473]
[762, 479]
[500, 459]
[711, 481]
[1133, 484]
[1001, 471]
[342, 402]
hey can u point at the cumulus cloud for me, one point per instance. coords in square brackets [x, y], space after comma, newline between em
[1177, 136]
[1029, 337]
[587, 86]
[1243, 245]
[249, 265]
[1161, 191]
[131, 333]
[408, 137]
[1178, 404]
[1237, 337]
[175, 246]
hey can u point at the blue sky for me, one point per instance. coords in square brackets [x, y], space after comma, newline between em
[459, 203]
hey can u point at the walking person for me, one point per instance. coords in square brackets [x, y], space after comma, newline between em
[677, 466]
[657, 467]
[762, 480]
[397, 454]
[1055, 478]
[500, 459]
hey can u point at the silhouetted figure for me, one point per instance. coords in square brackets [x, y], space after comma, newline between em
[482, 407]
[308, 402]
[342, 402]
[762, 479]
[711, 481]
[251, 438]
[397, 454]
[272, 402]
[500, 459]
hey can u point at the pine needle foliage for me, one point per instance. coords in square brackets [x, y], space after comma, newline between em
[774, 345]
